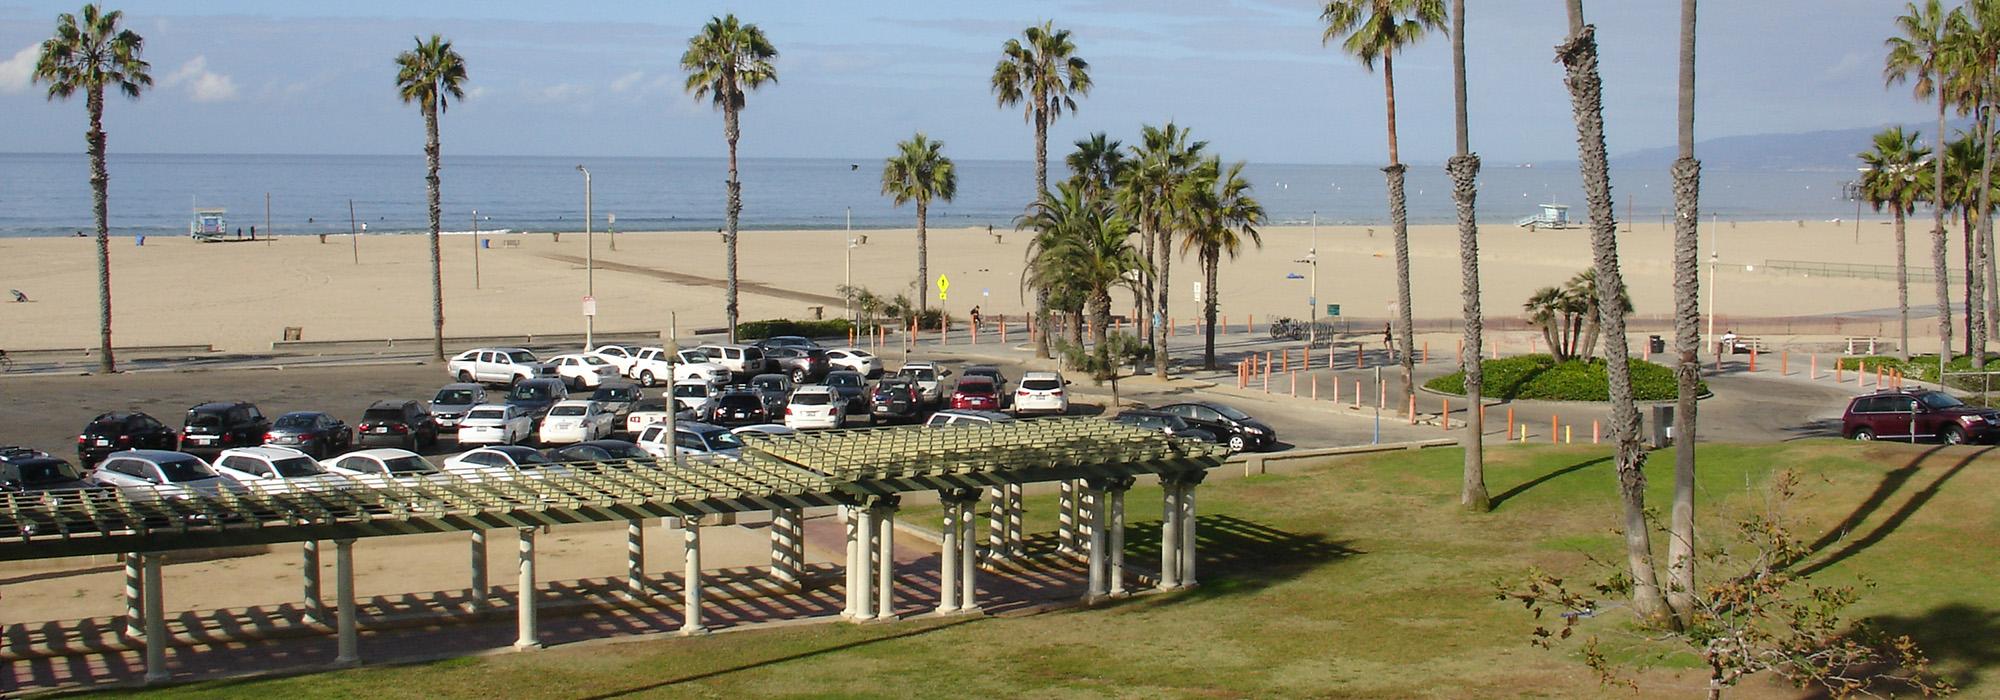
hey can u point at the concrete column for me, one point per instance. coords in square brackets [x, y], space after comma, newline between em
[868, 540]
[951, 534]
[968, 556]
[343, 591]
[1097, 562]
[525, 595]
[787, 545]
[996, 519]
[1170, 536]
[1016, 535]
[135, 587]
[1117, 528]
[1066, 516]
[635, 559]
[886, 607]
[1188, 548]
[479, 587]
[1086, 506]
[309, 566]
[691, 578]
[156, 621]
[849, 520]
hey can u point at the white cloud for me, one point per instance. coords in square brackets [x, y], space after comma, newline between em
[474, 92]
[627, 81]
[561, 92]
[202, 84]
[16, 72]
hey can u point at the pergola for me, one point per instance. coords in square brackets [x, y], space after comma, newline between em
[862, 472]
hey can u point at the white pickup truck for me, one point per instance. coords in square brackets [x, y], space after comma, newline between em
[650, 365]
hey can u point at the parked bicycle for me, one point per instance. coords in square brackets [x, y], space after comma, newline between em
[6, 363]
[1286, 328]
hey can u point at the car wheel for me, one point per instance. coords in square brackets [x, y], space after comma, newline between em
[514, 380]
[465, 376]
[1954, 436]
[1236, 443]
[646, 378]
[1863, 435]
[798, 376]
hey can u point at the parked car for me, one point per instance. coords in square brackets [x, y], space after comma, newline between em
[929, 378]
[696, 396]
[276, 469]
[495, 424]
[397, 422]
[740, 406]
[497, 366]
[815, 406]
[852, 389]
[1041, 392]
[535, 396]
[582, 370]
[597, 451]
[1167, 423]
[154, 474]
[451, 402]
[1918, 414]
[775, 389]
[650, 365]
[788, 341]
[644, 413]
[575, 420]
[51, 480]
[617, 355]
[957, 416]
[691, 439]
[1235, 427]
[989, 372]
[382, 467]
[220, 425]
[504, 462]
[855, 360]
[976, 393]
[311, 432]
[895, 399]
[740, 360]
[23, 470]
[616, 399]
[803, 364]
[122, 430]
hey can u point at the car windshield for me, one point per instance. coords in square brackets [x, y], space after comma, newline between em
[204, 420]
[622, 451]
[383, 415]
[294, 421]
[295, 467]
[1936, 400]
[1228, 412]
[844, 379]
[530, 457]
[48, 472]
[1040, 384]
[453, 397]
[531, 391]
[569, 410]
[691, 391]
[594, 360]
[183, 470]
[813, 398]
[741, 400]
[645, 405]
[612, 394]
[488, 414]
[521, 356]
[722, 440]
[409, 465]
[922, 374]
[892, 387]
[769, 383]
[972, 386]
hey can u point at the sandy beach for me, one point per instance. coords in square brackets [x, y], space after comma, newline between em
[240, 296]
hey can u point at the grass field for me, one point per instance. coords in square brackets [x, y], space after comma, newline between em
[1350, 578]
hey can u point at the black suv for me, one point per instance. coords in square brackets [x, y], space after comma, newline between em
[399, 423]
[740, 406]
[536, 396]
[24, 469]
[220, 425]
[122, 430]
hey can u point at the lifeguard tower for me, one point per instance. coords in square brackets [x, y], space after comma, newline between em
[208, 225]
[1551, 216]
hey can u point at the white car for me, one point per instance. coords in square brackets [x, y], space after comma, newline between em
[153, 474]
[497, 366]
[495, 424]
[502, 463]
[929, 378]
[276, 470]
[1041, 392]
[855, 360]
[649, 365]
[691, 439]
[382, 467]
[618, 355]
[582, 370]
[763, 429]
[814, 406]
[695, 395]
[575, 420]
[644, 413]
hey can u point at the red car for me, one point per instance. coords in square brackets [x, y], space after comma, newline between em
[975, 393]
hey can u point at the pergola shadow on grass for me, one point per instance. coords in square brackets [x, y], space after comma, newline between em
[1253, 555]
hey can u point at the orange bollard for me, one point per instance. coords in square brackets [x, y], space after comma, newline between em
[1357, 393]
[1444, 414]
[1360, 360]
[1413, 409]
[1838, 376]
[1593, 432]
[1329, 355]
[1878, 375]
[1815, 368]
[1553, 425]
[1510, 420]
[1753, 359]
[1427, 353]
[1336, 390]
[1785, 363]
[1285, 360]
[1249, 324]
[1294, 376]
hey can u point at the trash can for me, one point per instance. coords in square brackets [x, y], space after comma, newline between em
[1663, 425]
[1657, 343]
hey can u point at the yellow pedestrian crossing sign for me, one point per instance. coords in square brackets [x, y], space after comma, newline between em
[944, 284]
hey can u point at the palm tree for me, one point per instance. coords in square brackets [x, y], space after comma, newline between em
[1974, 61]
[431, 75]
[1896, 179]
[1464, 170]
[1081, 247]
[1152, 193]
[919, 173]
[89, 52]
[1042, 70]
[1918, 56]
[1224, 214]
[1961, 195]
[1687, 335]
[1096, 164]
[1375, 31]
[1578, 55]
[724, 61]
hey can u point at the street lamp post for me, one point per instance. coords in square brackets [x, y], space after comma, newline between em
[475, 249]
[1312, 296]
[1709, 339]
[589, 265]
[847, 295]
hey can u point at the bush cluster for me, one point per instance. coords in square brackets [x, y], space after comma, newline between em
[759, 330]
[1542, 377]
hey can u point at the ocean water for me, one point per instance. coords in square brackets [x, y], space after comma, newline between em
[153, 194]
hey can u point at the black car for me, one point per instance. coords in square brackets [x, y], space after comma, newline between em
[617, 399]
[220, 425]
[803, 364]
[895, 399]
[398, 423]
[1167, 423]
[596, 451]
[54, 481]
[787, 341]
[740, 406]
[999, 380]
[28, 470]
[851, 387]
[775, 389]
[536, 396]
[311, 432]
[1236, 428]
[122, 430]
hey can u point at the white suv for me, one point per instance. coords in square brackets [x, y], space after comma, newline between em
[498, 366]
[815, 406]
[743, 360]
[650, 365]
[1041, 392]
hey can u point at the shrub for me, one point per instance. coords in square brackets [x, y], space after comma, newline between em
[759, 330]
[1542, 377]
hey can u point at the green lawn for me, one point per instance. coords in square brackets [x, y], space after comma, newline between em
[1351, 578]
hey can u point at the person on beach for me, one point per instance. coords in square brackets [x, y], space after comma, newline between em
[1728, 342]
[1389, 341]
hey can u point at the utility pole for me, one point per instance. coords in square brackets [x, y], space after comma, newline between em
[848, 294]
[353, 233]
[475, 249]
[1708, 339]
[589, 268]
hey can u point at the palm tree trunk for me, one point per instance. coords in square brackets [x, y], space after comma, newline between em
[1971, 282]
[1400, 225]
[1100, 312]
[100, 184]
[1157, 320]
[1984, 239]
[730, 132]
[1939, 247]
[1464, 170]
[1144, 294]
[1578, 55]
[1211, 262]
[923, 257]
[1902, 286]
[1041, 319]
[437, 221]
[1076, 325]
[1687, 336]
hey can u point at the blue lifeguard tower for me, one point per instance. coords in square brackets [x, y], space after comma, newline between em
[1551, 216]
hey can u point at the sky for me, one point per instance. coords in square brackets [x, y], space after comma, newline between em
[1250, 76]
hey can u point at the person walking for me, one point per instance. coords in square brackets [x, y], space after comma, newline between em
[1389, 341]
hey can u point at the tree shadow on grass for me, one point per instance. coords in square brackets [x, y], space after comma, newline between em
[1962, 642]
[1545, 478]
[1891, 482]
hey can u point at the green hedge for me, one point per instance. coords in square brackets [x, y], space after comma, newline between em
[759, 330]
[1541, 377]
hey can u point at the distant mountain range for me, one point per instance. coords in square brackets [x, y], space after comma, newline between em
[1812, 150]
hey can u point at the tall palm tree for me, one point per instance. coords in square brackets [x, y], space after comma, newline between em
[89, 53]
[1083, 247]
[1687, 335]
[724, 61]
[1917, 56]
[1152, 194]
[1041, 70]
[1464, 170]
[1896, 179]
[1961, 196]
[1974, 68]
[1096, 164]
[919, 172]
[1578, 55]
[431, 75]
[1376, 30]
[1223, 216]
